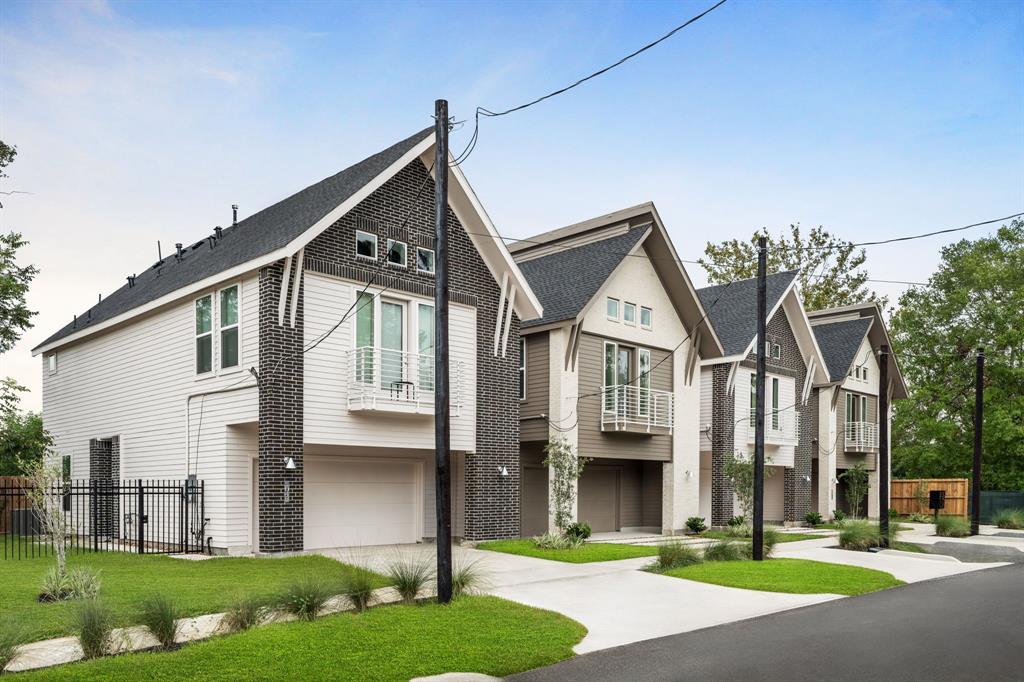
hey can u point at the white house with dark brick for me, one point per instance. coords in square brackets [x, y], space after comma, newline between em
[234, 360]
[794, 367]
[612, 367]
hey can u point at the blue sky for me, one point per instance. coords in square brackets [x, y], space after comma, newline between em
[145, 121]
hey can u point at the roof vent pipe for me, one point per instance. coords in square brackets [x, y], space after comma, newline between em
[234, 214]
[131, 281]
[74, 322]
[159, 254]
[218, 232]
[178, 247]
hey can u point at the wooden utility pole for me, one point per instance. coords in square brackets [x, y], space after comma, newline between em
[979, 415]
[883, 444]
[762, 332]
[442, 412]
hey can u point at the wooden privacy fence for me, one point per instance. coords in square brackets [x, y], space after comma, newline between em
[12, 502]
[910, 496]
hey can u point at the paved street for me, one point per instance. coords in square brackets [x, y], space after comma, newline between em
[964, 627]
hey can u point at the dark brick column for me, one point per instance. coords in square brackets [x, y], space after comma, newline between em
[280, 432]
[104, 471]
[723, 433]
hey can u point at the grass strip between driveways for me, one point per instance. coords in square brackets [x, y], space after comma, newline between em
[783, 537]
[473, 634]
[795, 576]
[197, 587]
[597, 551]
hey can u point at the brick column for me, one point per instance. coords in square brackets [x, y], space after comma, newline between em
[280, 433]
[723, 434]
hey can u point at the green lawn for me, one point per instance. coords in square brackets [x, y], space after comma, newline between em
[199, 587]
[597, 551]
[797, 576]
[473, 634]
[783, 537]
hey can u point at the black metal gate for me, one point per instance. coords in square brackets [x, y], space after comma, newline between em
[140, 516]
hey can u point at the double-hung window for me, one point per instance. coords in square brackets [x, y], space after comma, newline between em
[204, 334]
[229, 338]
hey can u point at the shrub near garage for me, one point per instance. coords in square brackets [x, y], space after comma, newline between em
[952, 527]
[1009, 519]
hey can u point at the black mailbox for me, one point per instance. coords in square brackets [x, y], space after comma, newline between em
[936, 499]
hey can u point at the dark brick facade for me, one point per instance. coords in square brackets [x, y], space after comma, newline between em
[491, 501]
[796, 481]
[104, 474]
[280, 433]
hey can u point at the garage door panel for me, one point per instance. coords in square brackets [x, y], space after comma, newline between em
[355, 502]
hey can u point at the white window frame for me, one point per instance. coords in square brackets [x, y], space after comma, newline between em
[776, 347]
[618, 308]
[237, 325]
[626, 305]
[51, 362]
[405, 254]
[643, 382]
[522, 368]
[650, 317]
[196, 335]
[864, 374]
[362, 233]
[432, 264]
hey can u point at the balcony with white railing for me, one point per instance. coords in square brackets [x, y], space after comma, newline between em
[861, 436]
[632, 409]
[380, 379]
[781, 427]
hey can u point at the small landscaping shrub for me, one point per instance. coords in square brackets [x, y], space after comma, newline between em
[467, 578]
[696, 524]
[736, 520]
[244, 614]
[919, 518]
[410, 574]
[812, 518]
[838, 517]
[893, 514]
[78, 583]
[578, 531]
[675, 554]
[769, 540]
[555, 541]
[742, 530]
[11, 635]
[304, 598]
[95, 622]
[160, 614]
[859, 536]
[952, 527]
[358, 586]
[1010, 519]
[723, 550]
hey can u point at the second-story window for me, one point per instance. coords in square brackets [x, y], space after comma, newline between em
[643, 378]
[776, 351]
[629, 313]
[229, 327]
[396, 253]
[366, 245]
[645, 317]
[522, 368]
[613, 309]
[204, 334]
[424, 260]
[51, 363]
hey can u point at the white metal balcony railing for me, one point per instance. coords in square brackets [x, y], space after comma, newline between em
[636, 409]
[782, 426]
[861, 435]
[397, 381]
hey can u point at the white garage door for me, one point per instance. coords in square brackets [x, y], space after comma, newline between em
[353, 502]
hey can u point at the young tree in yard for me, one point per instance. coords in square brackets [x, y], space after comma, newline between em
[44, 488]
[831, 269]
[22, 439]
[567, 468]
[975, 298]
[740, 472]
[857, 484]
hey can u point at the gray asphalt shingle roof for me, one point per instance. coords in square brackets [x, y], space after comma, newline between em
[839, 342]
[565, 281]
[732, 308]
[259, 234]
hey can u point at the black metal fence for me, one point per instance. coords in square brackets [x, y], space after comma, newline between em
[140, 516]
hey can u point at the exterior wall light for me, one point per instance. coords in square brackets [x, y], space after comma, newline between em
[289, 464]
[503, 472]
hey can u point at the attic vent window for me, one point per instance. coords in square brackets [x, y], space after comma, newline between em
[366, 245]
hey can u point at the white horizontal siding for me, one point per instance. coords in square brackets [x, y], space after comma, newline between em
[327, 419]
[133, 382]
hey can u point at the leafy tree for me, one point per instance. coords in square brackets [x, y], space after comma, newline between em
[976, 298]
[857, 483]
[740, 472]
[22, 440]
[831, 269]
[567, 468]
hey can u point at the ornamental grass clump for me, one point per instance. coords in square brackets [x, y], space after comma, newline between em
[95, 623]
[410, 574]
[1009, 519]
[160, 614]
[724, 550]
[78, 583]
[11, 635]
[676, 554]
[467, 578]
[303, 598]
[769, 539]
[555, 541]
[952, 527]
[358, 585]
[859, 536]
[244, 613]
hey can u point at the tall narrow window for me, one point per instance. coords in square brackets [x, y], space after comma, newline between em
[204, 334]
[863, 408]
[229, 327]
[522, 368]
[645, 317]
[392, 345]
[629, 313]
[775, 403]
[51, 362]
[610, 352]
[644, 381]
[364, 353]
[65, 474]
[864, 374]
[849, 408]
[425, 345]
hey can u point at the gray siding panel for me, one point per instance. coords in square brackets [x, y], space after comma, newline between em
[537, 388]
